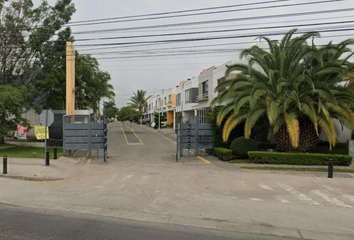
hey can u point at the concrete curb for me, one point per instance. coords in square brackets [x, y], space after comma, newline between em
[38, 179]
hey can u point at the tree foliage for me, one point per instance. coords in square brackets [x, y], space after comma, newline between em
[26, 38]
[129, 114]
[109, 109]
[292, 83]
[139, 100]
[91, 84]
[12, 100]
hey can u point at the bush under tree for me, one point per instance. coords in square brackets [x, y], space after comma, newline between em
[241, 146]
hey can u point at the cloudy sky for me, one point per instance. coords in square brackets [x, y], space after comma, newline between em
[232, 25]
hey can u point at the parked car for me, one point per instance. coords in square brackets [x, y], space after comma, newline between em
[146, 120]
[163, 124]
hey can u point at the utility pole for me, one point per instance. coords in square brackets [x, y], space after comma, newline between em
[70, 79]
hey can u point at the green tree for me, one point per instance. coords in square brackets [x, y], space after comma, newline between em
[109, 109]
[129, 114]
[139, 100]
[158, 119]
[12, 102]
[91, 84]
[298, 87]
[26, 38]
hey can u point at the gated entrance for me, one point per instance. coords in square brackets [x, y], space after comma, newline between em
[192, 135]
[79, 132]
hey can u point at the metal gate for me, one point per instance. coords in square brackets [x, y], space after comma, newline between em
[192, 135]
[79, 132]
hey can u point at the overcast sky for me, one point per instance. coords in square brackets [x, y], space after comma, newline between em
[156, 73]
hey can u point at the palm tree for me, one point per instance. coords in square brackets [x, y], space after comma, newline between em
[139, 100]
[298, 87]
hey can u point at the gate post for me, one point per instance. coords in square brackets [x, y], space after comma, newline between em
[105, 140]
[64, 150]
[196, 135]
[89, 137]
[181, 137]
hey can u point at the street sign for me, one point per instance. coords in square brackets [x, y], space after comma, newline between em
[50, 118]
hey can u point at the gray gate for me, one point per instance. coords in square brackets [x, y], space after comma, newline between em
[79, 132]
[192, 135]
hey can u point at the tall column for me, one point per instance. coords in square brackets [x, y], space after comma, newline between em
[70, 79]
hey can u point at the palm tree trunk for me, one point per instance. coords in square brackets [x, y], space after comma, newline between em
[307, 141]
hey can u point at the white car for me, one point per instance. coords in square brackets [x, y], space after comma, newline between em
[163, 124]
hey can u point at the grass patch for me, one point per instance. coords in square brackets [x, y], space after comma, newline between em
[240, 161]
[29, 152]
[300, 169]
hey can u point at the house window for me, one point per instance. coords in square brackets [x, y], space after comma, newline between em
[165, 101]
[178, 99]
[169, 98]
[205, 88]
[187, 96]
[220, 80]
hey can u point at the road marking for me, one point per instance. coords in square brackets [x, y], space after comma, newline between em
[126, 139]
[257, 199]
[137, 137]
[281, 199]
[127, 177]
[299, 195]
[109, 181]
[264, 186]
[241, 183]
[230, 197]
[334, 201]
[204, 160]
[162, 136]
[351, 197]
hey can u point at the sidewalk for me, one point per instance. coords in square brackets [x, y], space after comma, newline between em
[34, 169]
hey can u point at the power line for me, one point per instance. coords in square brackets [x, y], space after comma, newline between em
[209, 38]
[215, 31]
[220, 20]
[224, 26]
[180, 11]
[198, 14]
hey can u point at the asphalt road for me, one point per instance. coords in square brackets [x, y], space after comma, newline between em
[20, 223]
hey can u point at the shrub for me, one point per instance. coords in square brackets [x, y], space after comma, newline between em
[241, 146]
[217, 130]
[299, 158]
[224, 154]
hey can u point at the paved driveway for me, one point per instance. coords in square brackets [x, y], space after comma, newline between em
[143, 181]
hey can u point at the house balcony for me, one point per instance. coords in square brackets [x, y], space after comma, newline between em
[203, 97]
[169, 104]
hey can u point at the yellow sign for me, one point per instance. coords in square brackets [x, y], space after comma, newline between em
[40, 132]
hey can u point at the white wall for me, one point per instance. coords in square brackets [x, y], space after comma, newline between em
[206, 76]
[342, 133]
[33, 119]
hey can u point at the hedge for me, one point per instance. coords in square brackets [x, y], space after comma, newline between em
[241, 146]
[224, 154]
[299, 158]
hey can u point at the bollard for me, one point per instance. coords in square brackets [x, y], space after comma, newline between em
[47, 158]
[330, 168]
[4, 165]
[55, 152]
